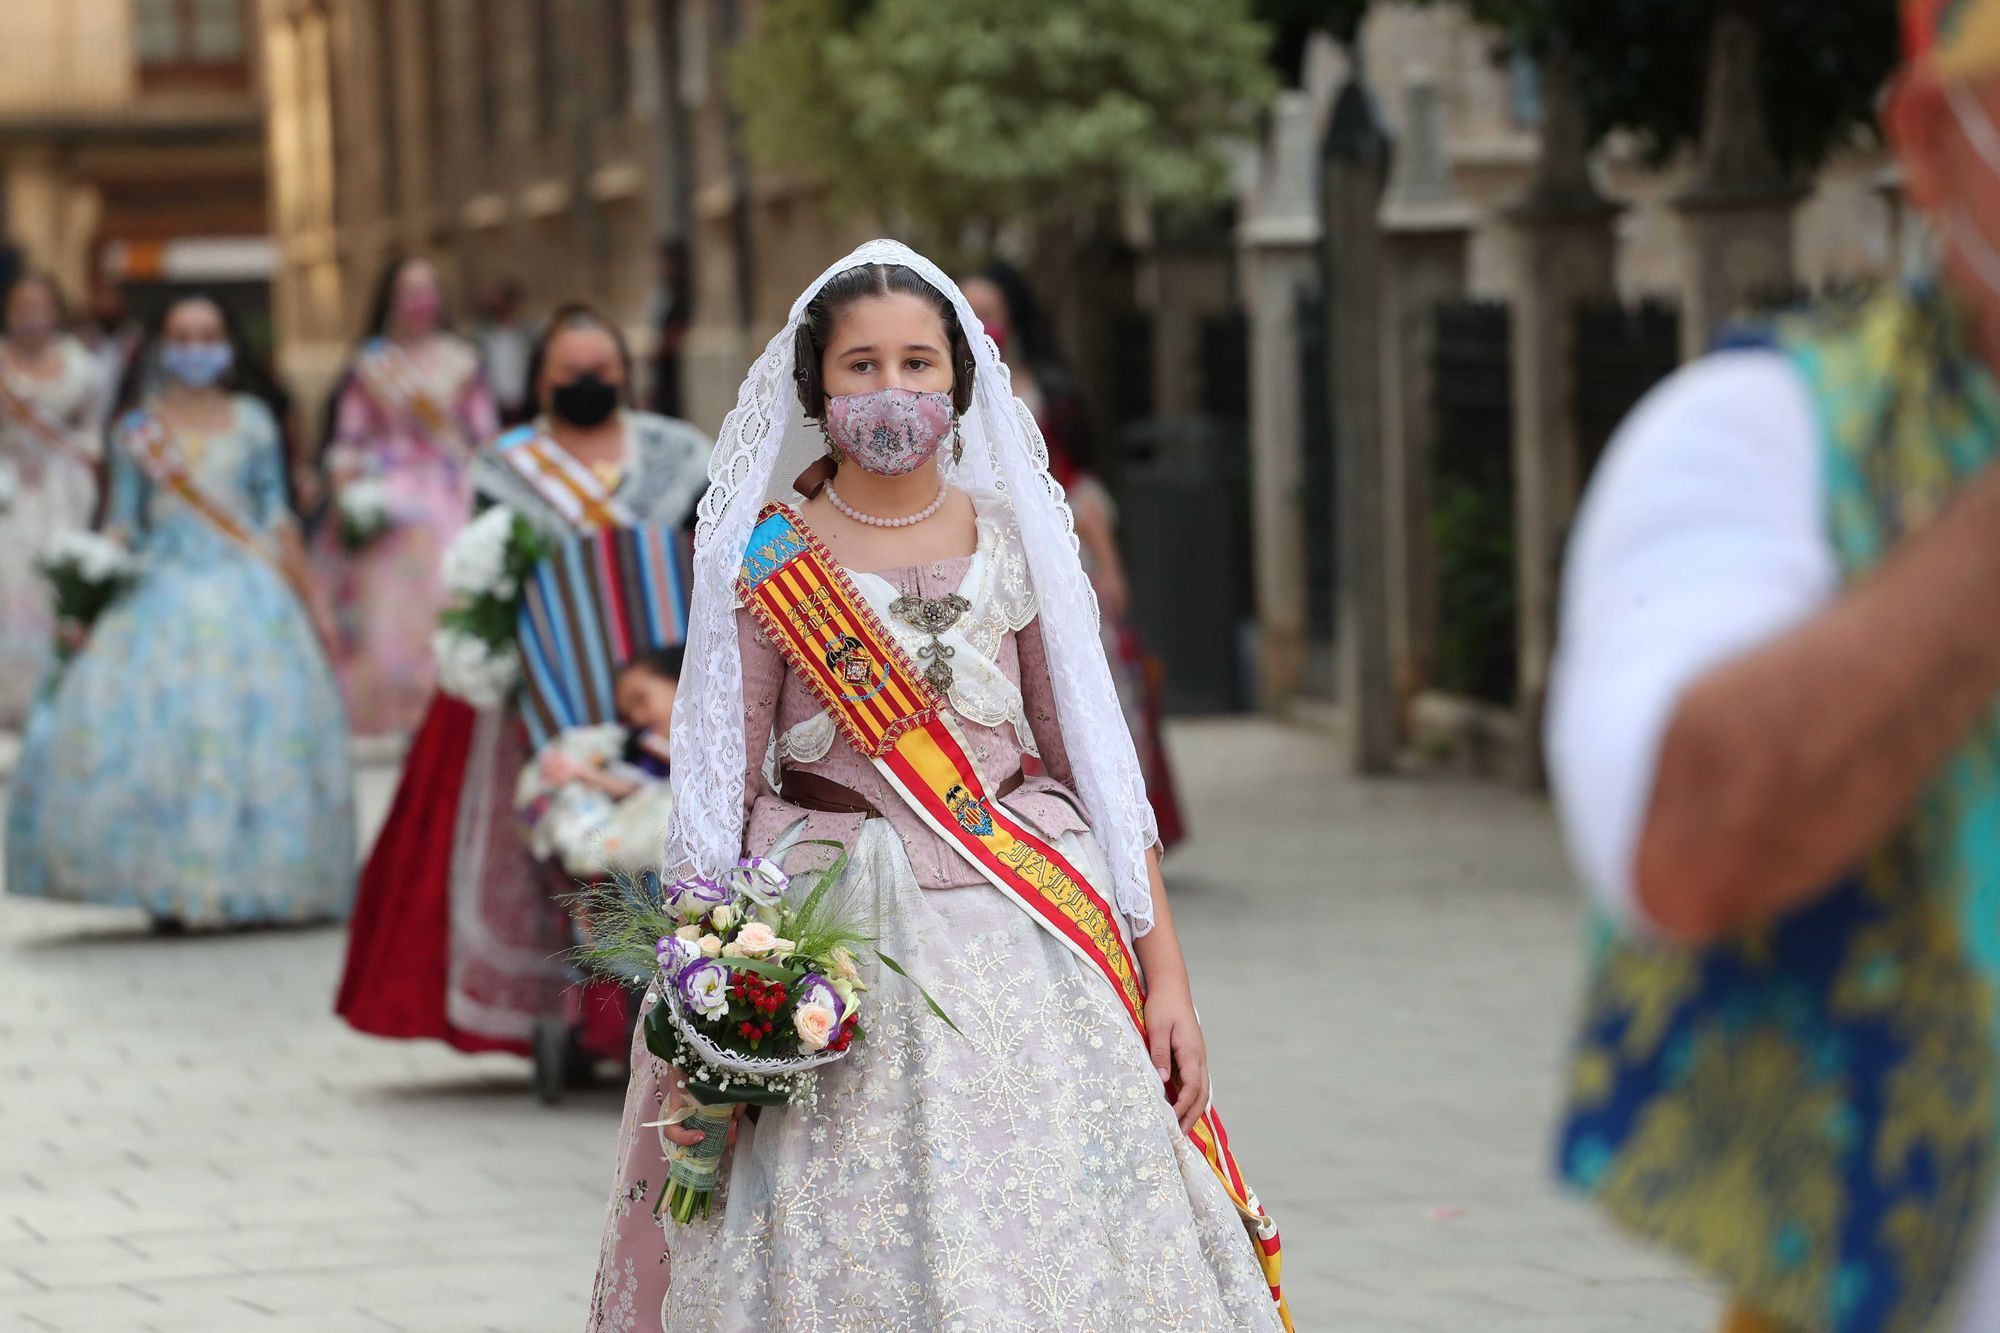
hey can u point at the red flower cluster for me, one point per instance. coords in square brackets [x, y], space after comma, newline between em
[761, 997]
[845, 1037]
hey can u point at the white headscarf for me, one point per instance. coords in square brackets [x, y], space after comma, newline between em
[766, 442]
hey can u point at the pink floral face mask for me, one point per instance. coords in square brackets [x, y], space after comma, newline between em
[889, 432]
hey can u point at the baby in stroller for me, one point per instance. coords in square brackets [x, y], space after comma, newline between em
[597, 800]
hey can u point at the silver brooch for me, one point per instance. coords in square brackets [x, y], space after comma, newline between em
[933, 616]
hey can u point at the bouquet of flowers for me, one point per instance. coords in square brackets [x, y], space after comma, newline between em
[483, 570]
[88, 572]
[759, 988]
[364, 513]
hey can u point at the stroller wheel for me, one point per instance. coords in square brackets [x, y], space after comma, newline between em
[552, 1060]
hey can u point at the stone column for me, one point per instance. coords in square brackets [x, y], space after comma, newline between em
[1565, 255]
[1279, 244]
[1354, 162]
[1426, 231]
[1737, 215]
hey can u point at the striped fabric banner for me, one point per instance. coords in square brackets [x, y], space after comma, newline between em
[597, 601]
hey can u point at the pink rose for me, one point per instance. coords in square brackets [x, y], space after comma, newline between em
[816, 1025]
[757, 940]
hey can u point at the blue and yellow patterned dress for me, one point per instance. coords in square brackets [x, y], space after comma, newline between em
[192, 760]
[1810, 1111]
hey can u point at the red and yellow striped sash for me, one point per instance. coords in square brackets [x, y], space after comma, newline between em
[808, 606]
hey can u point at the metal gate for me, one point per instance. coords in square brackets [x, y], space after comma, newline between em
[1472, 500]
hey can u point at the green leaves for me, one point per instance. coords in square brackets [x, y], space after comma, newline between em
[983, 112]
[935, 1008]
[1643, 64]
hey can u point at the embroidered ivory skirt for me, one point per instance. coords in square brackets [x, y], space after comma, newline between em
[1025, 1176]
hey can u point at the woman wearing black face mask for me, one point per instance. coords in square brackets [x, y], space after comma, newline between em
[454, 934]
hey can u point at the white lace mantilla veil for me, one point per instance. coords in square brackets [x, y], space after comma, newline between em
[765, 443]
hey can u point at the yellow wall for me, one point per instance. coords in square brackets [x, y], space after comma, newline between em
[65, 56]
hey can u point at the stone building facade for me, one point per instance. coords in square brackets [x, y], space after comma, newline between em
[552, 142]
[1847, 226]
[131, 142]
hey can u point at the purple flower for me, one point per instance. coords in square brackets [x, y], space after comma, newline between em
[759, 880]
[816, 989]
[699, 889]
[675, 953]
[704, 987]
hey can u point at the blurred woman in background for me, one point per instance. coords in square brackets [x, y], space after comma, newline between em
[1006, 305]
[191, 759]
[457, 935]
[53, 398]
[412, 411]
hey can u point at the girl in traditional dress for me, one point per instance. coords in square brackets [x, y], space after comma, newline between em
[412, 412]
[192, 759]
[457, 935]
[52, 403]
[1041, 1170]
[1013, 318]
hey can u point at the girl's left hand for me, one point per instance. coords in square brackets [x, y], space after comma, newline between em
[1180, 1054]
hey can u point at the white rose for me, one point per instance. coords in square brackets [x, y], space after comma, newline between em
[721, 917]
[689, 933]
[710, 946]
[816, 1025]
[365, 502]
[476, 561]
[843, 963]
[471, 670]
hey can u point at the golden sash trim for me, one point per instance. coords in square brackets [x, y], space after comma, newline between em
[395, 381]
[158, 453]
[570, 488]
[808, 606]
[47, 433]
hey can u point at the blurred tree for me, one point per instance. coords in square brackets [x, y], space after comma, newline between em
[1642, 64]
[954, 120]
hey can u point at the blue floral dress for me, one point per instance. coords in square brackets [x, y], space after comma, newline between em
[192, 760]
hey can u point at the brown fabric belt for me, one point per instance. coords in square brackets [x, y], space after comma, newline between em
[810, 791]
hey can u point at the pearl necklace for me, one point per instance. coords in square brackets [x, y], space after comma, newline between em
[909, 520]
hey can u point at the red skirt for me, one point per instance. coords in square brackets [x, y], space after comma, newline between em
[399, 938]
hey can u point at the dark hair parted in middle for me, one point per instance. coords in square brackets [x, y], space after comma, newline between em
[859, 283]
[579, 315]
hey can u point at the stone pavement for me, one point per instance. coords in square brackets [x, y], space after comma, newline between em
[190, 1141]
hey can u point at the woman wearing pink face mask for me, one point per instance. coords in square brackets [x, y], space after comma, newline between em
[52, 404]
[888, 601]
[411, 413]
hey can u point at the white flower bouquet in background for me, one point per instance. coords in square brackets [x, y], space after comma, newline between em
[483, 570]
[364, 514]
[88, 572]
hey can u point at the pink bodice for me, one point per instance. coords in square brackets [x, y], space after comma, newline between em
[777, 703]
